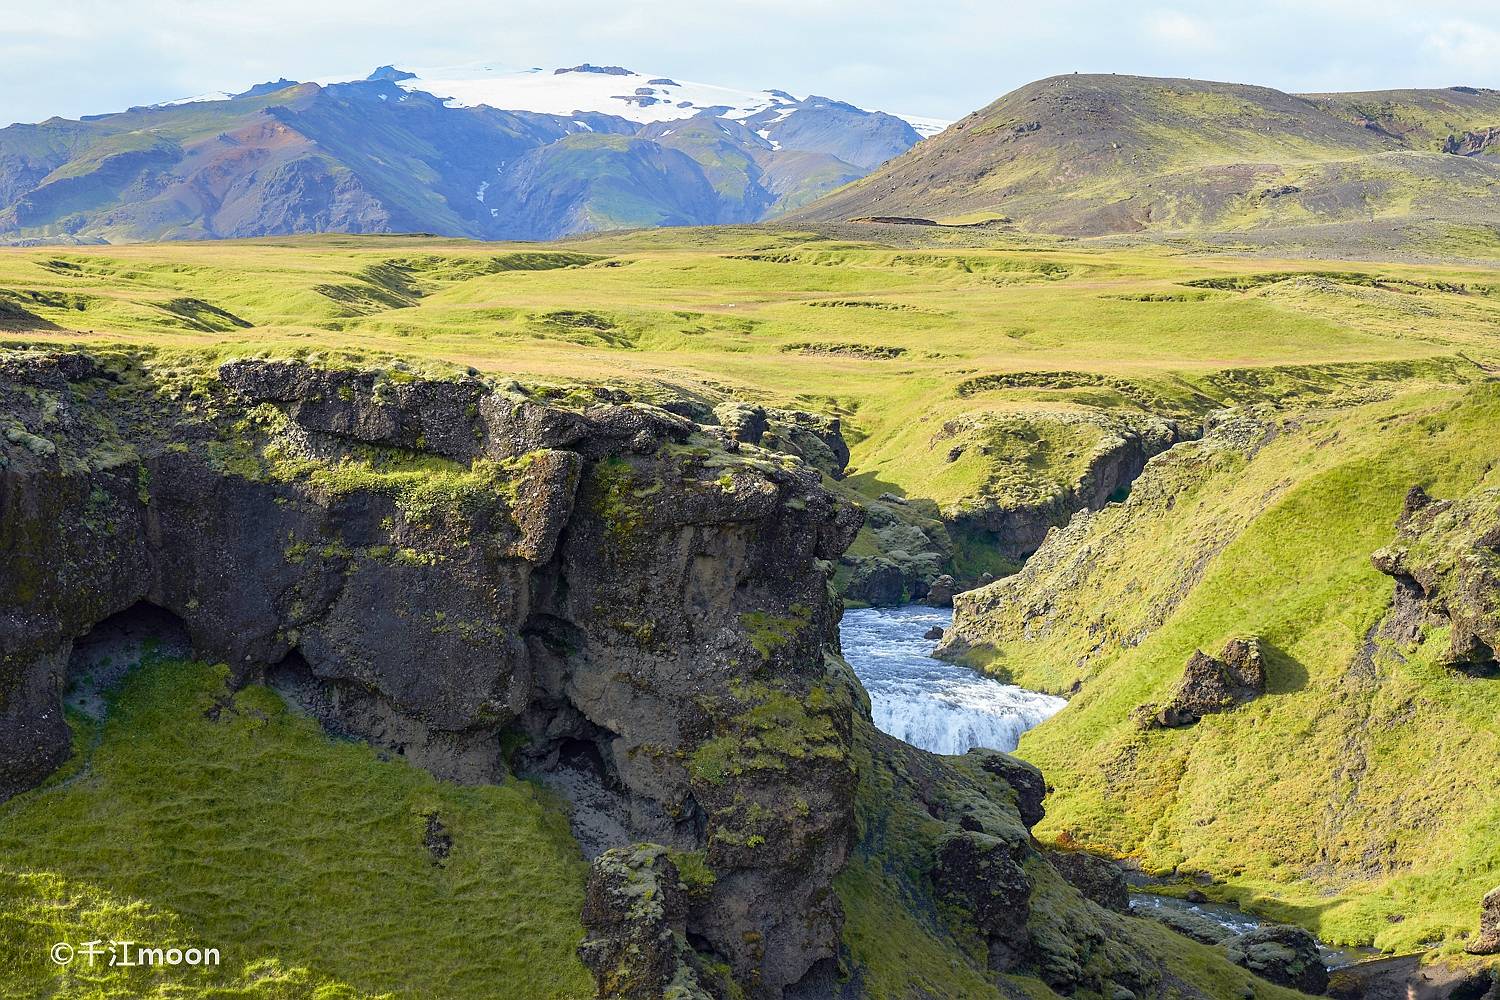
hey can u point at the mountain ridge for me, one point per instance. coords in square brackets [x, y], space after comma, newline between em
[382, 155]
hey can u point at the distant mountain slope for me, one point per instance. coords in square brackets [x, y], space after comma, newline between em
[1089, 154]
[384, 155]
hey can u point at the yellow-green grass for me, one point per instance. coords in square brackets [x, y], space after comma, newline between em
[726, 311]
[1358, 796]
[716, 311]
[193, 818]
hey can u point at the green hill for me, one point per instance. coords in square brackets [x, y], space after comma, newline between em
[1092, 154]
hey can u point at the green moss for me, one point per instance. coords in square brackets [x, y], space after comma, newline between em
[771, 728]
[697, 877]
[768, 633]
[609, 491]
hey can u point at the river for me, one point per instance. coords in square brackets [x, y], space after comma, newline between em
[931, 704]
[950, 709]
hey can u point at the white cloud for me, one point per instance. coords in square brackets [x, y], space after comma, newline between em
[1176, 29]
[942, 58]
[1471, 50]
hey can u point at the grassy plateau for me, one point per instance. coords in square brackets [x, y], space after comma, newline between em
[967, 369]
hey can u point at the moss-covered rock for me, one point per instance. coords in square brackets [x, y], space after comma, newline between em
[1446, 562]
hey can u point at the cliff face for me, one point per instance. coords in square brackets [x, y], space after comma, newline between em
[603, 595]
[448, 570]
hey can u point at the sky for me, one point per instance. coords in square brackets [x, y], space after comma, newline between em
[940, 58]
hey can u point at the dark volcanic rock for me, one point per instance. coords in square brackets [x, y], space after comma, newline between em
[1212, 684]
[940, 592]
[1024, 778]
[983, 874]
[1200, 929]
[1284, 955]
[635, 913]
[426, 563]
[1099, 879]
[877, 582]
[1446, 563]
[1473, 143]
[1487, 942]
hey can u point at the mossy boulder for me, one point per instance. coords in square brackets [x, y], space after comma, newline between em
[1282, 954]
[1487, 941]
[1211, 684]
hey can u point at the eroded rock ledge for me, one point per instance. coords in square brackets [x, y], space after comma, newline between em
[448, 568]
[1446, 564]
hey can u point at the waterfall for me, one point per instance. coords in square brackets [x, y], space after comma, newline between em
[931, 704]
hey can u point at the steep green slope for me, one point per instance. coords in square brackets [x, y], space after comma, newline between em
[195, 818]
[1089, 154]
[1356, 796]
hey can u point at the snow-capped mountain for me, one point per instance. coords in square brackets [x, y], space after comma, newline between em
[612, 90]
[464, 152]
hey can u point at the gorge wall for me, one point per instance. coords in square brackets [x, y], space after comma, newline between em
[490, 579]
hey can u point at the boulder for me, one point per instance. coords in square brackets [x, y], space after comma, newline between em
[1210, 685]
[877, 582]
[1199, 928]
[1285, 955]
[1099, 879]
[936, 632]
[940, 591]
[1024, 778]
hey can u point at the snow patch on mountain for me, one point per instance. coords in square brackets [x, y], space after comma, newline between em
[638, 97]
[217, 95]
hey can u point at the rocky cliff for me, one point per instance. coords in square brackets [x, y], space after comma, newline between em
[448, 569]
[606, 596]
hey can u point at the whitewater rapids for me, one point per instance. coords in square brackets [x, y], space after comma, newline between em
[928, 703]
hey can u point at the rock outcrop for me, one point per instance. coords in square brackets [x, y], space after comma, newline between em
[1092, 458]
[975, 814]
[1210, 685]
[635, 912]
[447, 568]
[1099, 879]
[1284, 955]
[1487, 941]
[1445, 560]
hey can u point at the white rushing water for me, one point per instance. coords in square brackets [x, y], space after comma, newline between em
[931, 704]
